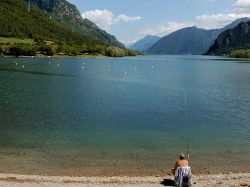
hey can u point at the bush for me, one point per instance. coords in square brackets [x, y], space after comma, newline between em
[21, 50]
[242, 53]
[46, 50]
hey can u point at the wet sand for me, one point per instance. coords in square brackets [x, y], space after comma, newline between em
[230, 179]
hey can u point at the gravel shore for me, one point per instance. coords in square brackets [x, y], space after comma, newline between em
[230, 179]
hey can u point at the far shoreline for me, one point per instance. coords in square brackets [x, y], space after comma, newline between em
[57, 56]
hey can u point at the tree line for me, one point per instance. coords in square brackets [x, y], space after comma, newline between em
[50, 36]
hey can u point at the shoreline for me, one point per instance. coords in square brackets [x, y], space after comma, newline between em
[230, 179]
[58, 56]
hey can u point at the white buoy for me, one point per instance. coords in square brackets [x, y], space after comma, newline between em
[58, 65]
[23, 66]
[83, 67]
[16, 64]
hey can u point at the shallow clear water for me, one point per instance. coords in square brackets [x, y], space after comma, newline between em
[125, 114]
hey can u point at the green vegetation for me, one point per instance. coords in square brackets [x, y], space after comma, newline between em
[68, 15]
[240, 53]
[43, 32]
[232, 42]
[14, 41]
[38, 49]
[1, 51]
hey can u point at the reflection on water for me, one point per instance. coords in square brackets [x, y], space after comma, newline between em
[126, 114]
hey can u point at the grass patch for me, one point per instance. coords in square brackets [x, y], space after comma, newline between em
[4, 40]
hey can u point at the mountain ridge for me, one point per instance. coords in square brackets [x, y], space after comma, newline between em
[190, 40]
[54, 29]
[231, 40]
[69, 15]
[145, 43]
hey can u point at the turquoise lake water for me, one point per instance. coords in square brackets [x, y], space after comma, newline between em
[123, 116]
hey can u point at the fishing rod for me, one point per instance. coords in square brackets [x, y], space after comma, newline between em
[186, 122]
[187, 146]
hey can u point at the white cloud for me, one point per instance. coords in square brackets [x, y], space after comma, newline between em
[165, 29]
[102, 18]
[241, 8]
[217, 20]
[125, 18]
[105, 18]
[243, 3]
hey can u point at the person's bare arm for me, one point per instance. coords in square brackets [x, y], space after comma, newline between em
[175, 168]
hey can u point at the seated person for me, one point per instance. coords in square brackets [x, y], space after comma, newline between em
[182, 172]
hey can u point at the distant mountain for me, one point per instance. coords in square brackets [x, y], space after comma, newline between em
[231, 40]
[145, 43]
[191, 40]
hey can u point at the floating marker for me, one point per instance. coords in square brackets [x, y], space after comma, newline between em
[23, 66]
[83, 67]
[58, 64]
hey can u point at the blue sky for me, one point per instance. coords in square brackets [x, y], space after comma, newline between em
[130, 20]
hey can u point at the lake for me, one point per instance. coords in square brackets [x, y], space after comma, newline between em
[123, 116]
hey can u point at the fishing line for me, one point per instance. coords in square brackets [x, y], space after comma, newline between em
[186, 124]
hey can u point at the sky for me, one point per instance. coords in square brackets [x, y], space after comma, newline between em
[131, 20]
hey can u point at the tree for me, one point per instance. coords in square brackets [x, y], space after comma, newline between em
[46, 50]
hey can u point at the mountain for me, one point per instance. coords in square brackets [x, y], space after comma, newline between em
[231, 40]
[190, 40]
[235, 23]
[145, 43]
[67, 13]
[16, 21]
[54, 26]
